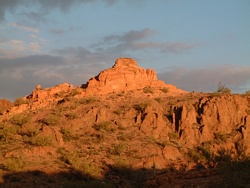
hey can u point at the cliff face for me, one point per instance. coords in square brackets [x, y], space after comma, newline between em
[208, 117]
[125, 75]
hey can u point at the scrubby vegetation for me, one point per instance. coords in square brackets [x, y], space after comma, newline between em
[125, 139]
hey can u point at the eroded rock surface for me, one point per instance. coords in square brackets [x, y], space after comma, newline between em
[125, 75]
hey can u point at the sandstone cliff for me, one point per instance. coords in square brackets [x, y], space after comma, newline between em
[125, 75]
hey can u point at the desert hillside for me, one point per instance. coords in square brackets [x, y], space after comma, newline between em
[125, 128]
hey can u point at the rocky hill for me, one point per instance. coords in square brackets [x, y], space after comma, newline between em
[124, 128]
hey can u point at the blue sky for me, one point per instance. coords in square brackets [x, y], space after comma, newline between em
[192, 44]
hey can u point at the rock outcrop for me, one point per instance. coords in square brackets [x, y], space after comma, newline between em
[125, 75]
[213, 118]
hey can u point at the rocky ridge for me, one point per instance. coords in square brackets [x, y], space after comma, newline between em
[111, 127]
[125, 75]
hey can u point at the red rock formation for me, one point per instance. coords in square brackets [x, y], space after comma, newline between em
[125, 75]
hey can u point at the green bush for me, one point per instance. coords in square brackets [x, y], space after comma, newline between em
[14, 164]
[164, 90]
[220, 137]
[75, 92]
[88, 100]
[223, 89]
[20, 101]
[195, 155]
[141, 106]
[71, 115]
[118, 149]
[30, 130]
[104, 126]
[148, 89]
[19, 119]
[159, 100]
[118, 111]
[80, 164]
[41, 140]
[67, 134]
[247, 93]
[51, 119]
[8, 132]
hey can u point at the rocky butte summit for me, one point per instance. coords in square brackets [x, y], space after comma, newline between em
[125, 75]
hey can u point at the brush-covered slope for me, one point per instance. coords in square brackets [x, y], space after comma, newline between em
[150, 136]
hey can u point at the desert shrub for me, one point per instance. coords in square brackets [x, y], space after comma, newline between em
[19, 119]
[164, 90]
[104, 126]
[148, 89]
[71, 115]
[14, 164]
[169, 114]
[195, 155]
[88, 100]
[79, 164]
[141, 106]
[248, 112]
[223, 89]
[51, 119]
[118, 149]
[8, 132]
[220, 137]
[122, 93]
[75, 92]
[5, 105]
[224, 156]
[118, 111]
[123, 137]
[20, 101]
[173, 136]
[67, 134]
[30, 130]
[241, 149]
[247, 93]
[159, 100]
[164, 143]
[41, 140]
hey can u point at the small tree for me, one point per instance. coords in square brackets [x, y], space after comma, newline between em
[223, 89]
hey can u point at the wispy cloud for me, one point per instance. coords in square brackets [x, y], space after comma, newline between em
[130, 36]
[44, 7]
[35, 47]
[138, 40]
[57, 31]
[164, 47]
[72, 65]
[23, 27]
[19, 48]
[206, 79]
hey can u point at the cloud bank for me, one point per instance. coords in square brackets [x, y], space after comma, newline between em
[45, 6]
[206, 79]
